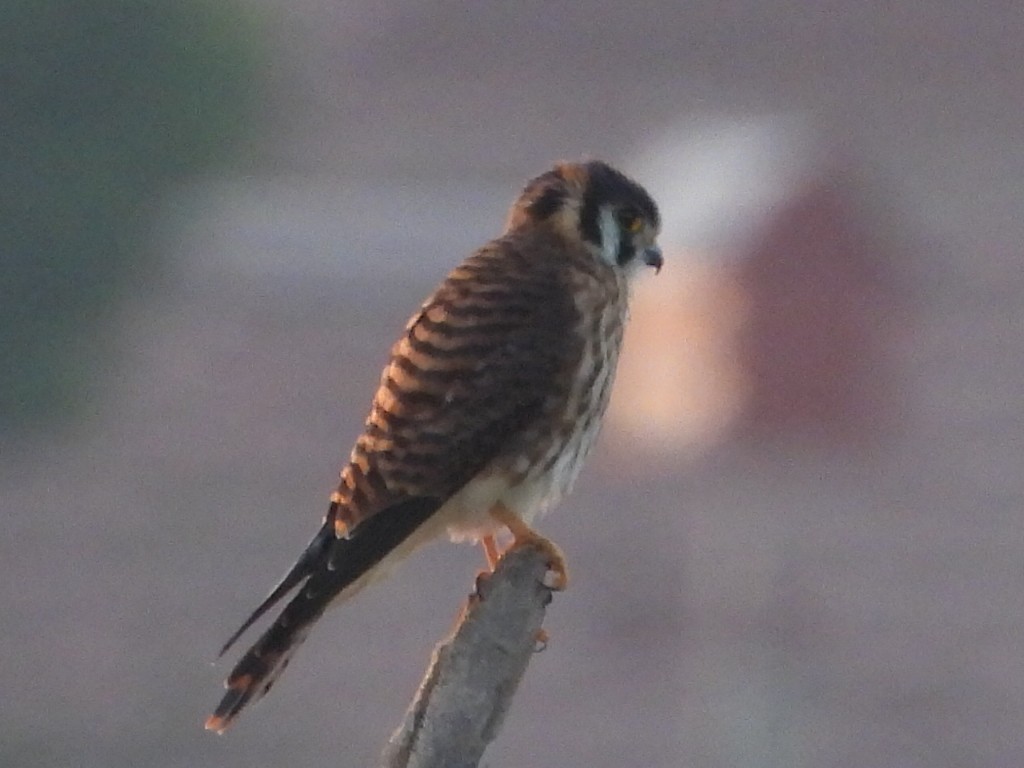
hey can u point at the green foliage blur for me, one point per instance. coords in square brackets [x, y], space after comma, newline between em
[103, 103]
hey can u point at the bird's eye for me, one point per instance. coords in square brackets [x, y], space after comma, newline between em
[631, 222]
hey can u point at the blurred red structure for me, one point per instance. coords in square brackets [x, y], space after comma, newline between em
[788, 337]
[820, 300]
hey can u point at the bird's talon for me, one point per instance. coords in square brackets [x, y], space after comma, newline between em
[480, 583]
[555, 579]
[491, 551]
[540, 640]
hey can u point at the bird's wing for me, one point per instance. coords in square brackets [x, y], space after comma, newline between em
[484, 361]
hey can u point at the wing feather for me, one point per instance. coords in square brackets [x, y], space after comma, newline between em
[488, 357]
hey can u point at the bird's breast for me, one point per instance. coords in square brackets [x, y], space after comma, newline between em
[578, 421]
[546, 463]
[543, 462]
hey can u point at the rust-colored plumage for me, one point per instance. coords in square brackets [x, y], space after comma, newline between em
[491, 400]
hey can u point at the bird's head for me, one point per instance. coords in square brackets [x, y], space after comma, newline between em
[591, 202]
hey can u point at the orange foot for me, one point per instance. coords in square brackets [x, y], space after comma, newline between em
[541, 639]
[491, 552]
[525, 536]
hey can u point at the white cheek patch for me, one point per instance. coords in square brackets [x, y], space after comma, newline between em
[610, 237]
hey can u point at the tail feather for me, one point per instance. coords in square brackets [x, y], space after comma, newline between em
[313, 555]
[328, 567]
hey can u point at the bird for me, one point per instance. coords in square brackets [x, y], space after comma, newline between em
[490, 402]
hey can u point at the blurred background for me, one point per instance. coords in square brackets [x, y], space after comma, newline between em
[800, 541]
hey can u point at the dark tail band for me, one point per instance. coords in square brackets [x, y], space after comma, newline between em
[328, 566]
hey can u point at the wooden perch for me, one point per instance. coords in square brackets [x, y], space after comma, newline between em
[473, 675]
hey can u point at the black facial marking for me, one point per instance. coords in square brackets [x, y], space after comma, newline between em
[607, 186]
[626, 251]
[590, 213]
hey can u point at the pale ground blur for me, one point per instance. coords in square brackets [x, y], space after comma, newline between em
[741, 597]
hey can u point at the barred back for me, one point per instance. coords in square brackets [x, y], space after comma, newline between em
[488, 360]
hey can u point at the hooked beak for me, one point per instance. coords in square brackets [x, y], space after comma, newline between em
[652, 258]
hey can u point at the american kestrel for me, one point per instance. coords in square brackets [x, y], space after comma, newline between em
[491, 401]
